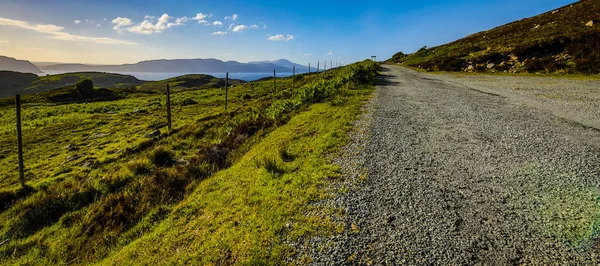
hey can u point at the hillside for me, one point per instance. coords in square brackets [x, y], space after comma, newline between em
[23, 66]
[13, 82]
[186, 82]
[108, 183]
[179, 66]
[566, 40]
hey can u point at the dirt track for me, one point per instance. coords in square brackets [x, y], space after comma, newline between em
[472, 170]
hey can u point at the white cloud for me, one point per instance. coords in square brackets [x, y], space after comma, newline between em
[281, 37]
[219, 33]
[148, 17]
[227, 54]
[307, 55]
[329, 54]
[104, 19]
[264, 26]
[201, 18]
[57, 33]
[98, 25]
[218, 23]
[76, 22]
[239, 28]
[121, 22]
[178, 22]
[233, 17]
[230, 27]
[254, 26]
[147, 28]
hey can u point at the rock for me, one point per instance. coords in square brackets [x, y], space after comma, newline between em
[554, 12]
[514, 57]
[182, 162]
[140, 111]
[73, 157]
[154, 134]
[470, 68]
[490, 65]
[71, 147]
[111, 113]
[98, 135]
[590, 24]
[536, 26]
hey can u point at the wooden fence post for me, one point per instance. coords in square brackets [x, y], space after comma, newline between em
[293, 76]
[226, 89]
[20, 141]
[169, 107]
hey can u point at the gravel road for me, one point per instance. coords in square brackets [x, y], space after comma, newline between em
[469, 169]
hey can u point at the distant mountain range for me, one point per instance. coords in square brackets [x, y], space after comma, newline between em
[23, 66]
[187, 66]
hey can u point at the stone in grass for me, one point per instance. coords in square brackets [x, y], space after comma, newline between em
[141, 111]
[590, 24]
[182, 162]
[98, 135]
[73, 157]
[154, 134]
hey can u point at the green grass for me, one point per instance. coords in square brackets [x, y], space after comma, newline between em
[563, 206]
[220, 187]
[187, 82]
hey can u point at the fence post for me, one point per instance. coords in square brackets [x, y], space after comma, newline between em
[20, 141]
[226, 89]
[293, 76]
[318, 66]
[169, 106]
[274, 81]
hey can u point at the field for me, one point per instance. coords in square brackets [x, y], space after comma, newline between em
[222, 186]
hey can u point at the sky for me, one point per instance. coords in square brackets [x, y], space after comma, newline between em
[129, 31]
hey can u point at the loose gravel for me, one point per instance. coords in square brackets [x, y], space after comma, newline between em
[469, 170]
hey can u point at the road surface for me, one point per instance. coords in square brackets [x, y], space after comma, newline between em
[464, 169]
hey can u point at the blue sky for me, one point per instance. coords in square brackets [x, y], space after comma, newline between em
[128, 31]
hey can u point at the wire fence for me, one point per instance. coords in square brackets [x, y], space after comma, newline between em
[17, 120]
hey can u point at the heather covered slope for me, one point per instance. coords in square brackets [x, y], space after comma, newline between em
[565, 40]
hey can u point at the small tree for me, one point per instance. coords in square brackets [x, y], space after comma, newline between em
[85, 86]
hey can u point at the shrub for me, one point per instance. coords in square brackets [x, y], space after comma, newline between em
[85, 87]
[273, 166]
[160, 156]
[140, 167]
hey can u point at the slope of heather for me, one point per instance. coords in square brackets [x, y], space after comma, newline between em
[565, 40]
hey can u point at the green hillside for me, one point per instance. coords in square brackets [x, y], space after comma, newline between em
[13, 82]
[566, 40]
[186, 82]
[108, 183]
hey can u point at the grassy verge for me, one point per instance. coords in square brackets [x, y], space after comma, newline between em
[243, 214]
[220, 187]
